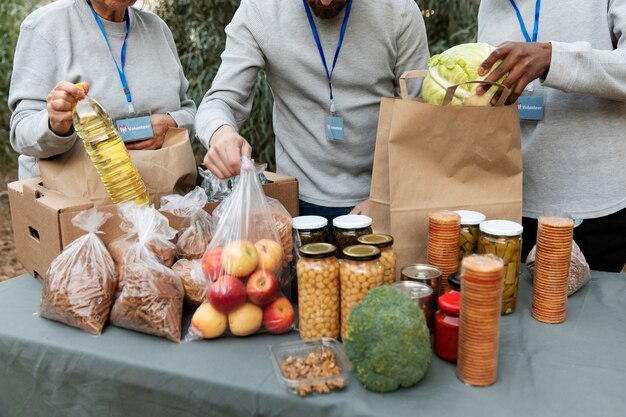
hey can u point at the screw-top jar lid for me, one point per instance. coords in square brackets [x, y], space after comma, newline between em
[361, 252]
[317, 250]
[501, 228]
[376, 239]
[450, 302]
[309, 222]
[352, 221]
[454, 280]
[470, 218]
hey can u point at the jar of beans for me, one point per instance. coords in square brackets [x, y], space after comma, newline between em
[359, 272]
[318, 291]
[388, 255]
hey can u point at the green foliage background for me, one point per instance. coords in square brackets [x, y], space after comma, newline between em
[198, 28]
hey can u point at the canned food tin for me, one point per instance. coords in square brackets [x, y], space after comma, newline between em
[423, 295]
[423, 273]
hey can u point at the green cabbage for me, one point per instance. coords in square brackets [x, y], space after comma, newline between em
[454, 66]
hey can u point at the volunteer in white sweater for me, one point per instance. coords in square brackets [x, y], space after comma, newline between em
[352, 51]
[567, 63]
[126, 56]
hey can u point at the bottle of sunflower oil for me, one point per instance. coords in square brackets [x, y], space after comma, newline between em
[108, 152]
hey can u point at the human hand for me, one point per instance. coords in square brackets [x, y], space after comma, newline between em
[160, 124]
[225, 151]
[59, 105]
[524, 61]
[361, 208]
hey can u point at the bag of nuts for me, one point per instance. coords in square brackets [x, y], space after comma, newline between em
[194, 234]
[190, 273]
[244, 262]
[80, 283]
[151, 300]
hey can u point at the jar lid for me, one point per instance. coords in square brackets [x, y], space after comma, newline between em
[501, 228]
[361, 252]
[454, 280]
[317, 250]
[470, 218]
[451, 302]
[352, 221]
[309, 222]
[376, 239]
[420, 271]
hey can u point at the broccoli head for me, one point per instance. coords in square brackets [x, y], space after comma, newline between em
[388, 341]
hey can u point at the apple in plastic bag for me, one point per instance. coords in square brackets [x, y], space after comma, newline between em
[212, 263]
[208, 322]
[270, 254]
[262, 287]
[245, 320]
[239, 258]
[278, 316]
[227, 293]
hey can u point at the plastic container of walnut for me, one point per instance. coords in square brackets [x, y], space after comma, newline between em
[311, 366]
[318, 291]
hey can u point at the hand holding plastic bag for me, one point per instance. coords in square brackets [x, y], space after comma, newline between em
[80, 283]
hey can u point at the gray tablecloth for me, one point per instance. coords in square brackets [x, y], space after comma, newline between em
[577, 368]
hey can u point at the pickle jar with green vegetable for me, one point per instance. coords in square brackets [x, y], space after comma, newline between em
[388, 255]
[503, 238]
[470, 227]
[348, 228]
[310, 229]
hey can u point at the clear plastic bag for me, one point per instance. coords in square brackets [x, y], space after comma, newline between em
[151, 300]
[80, 283]
[244, 260]
[196, 285]
[579, 271]
[194, 234]
[217, 189]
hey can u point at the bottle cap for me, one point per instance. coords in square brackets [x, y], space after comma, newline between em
[450, 302]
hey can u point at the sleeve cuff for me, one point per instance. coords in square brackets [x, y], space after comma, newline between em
[562, 73]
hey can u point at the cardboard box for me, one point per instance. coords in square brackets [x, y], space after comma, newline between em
[42, 219]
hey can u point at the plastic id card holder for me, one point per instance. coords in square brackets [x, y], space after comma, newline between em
[531, 104]
[334, 128]
[135, 128]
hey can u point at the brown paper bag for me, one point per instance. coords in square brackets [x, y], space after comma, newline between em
[171, 169]
[431, 158]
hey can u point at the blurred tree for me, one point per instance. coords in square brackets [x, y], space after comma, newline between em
[449, 22]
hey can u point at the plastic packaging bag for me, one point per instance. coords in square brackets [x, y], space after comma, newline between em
[579, 272]
[244, 260]
[80, 283]
[217, 189]
[151, 300]
[195, 230]
[196, 285]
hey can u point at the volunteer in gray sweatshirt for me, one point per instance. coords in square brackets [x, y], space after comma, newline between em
[68, 41]
[329, 150]
[573, 54]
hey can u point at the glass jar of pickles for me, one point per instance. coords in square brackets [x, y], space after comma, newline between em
[503, 238]
[388, 255]
[468, 239]
[310, 229]
[346, 230]
[318, 291]
[359, 272]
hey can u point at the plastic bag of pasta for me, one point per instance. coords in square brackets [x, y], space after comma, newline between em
[194, 233]
[80, 283]
[151, 300]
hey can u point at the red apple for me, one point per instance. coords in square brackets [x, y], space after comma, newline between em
[278, 316]
[239, 258]
[212, 263]
[270, 254]
[262, 287]
[227, 293]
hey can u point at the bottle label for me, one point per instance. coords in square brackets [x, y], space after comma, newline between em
[132, 129]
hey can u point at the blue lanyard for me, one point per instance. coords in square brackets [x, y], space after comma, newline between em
[329, 74]
[523, 25]
[120, 71]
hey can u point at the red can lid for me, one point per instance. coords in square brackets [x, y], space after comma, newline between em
[450, 302]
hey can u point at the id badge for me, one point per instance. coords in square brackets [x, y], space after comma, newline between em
[334, 128]
[135, 128]
[531, 104]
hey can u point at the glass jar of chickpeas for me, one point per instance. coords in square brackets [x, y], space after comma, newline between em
[318, 291]
[388, 255]
[359, 272]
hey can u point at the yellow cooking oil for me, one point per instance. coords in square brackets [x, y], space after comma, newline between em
[108, 152]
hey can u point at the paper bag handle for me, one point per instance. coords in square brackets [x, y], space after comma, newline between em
[452, 89]
[407, 75]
